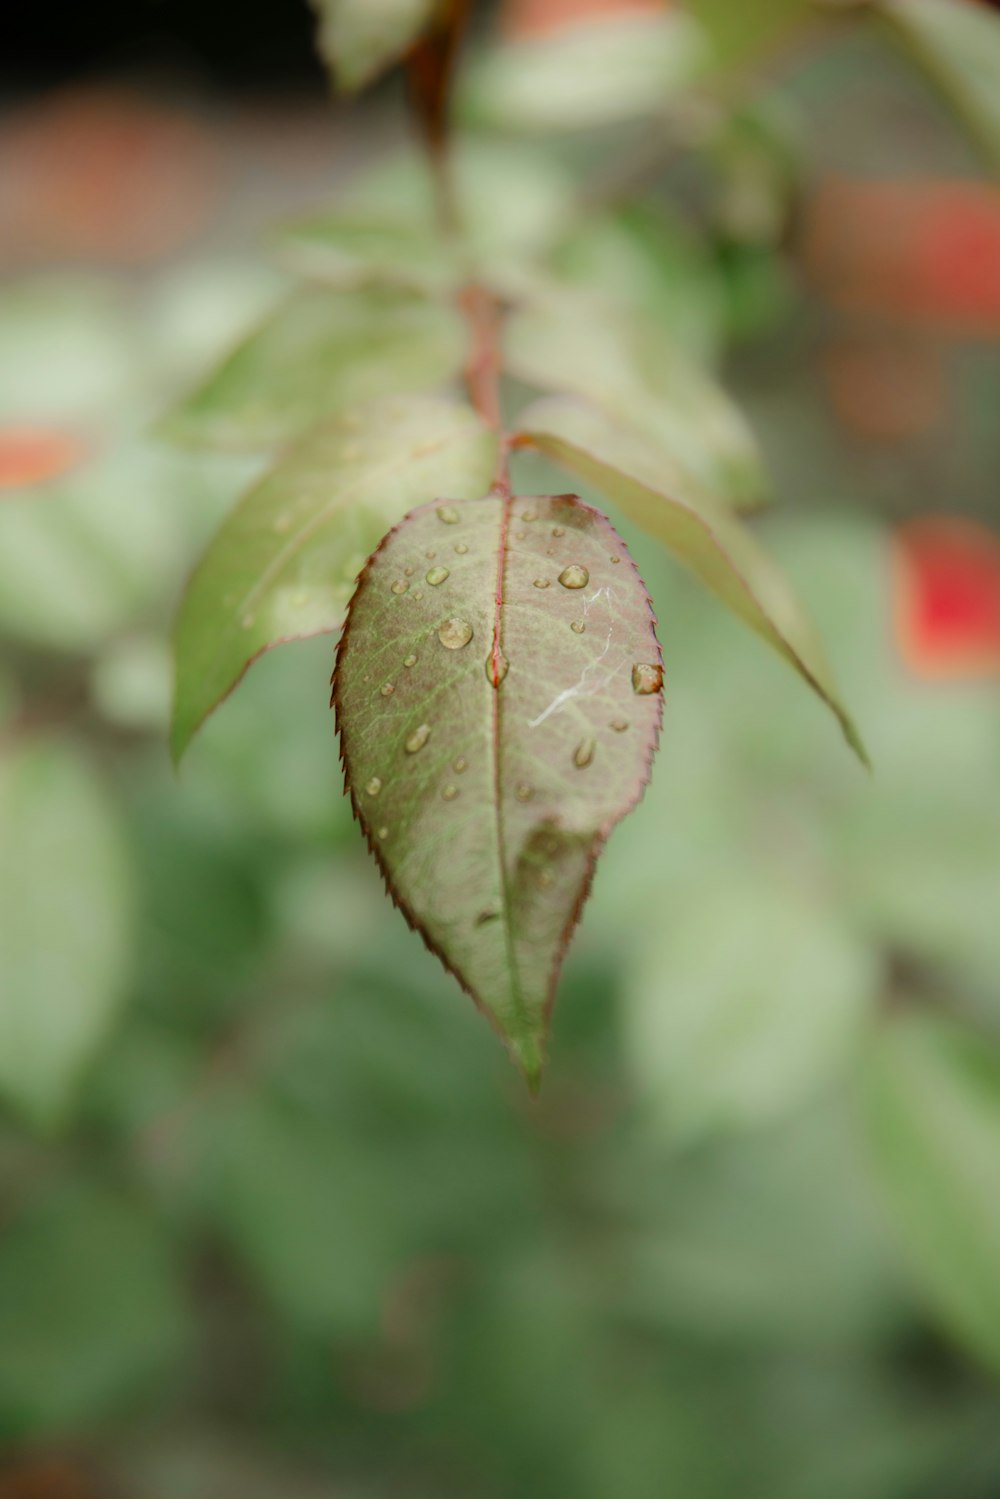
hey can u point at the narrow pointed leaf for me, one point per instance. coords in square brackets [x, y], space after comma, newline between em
[320, 352]
[703, 534]
[284, 563]
[487, 805]
[361, 38]
[932, 1104]
[628, 369]
[957, 44]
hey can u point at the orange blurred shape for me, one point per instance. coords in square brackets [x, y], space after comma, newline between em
[32, 455]
[45, 1478]
[885, 390]
[98, 175]
[946, 597]
[526, 18]
[924, 251]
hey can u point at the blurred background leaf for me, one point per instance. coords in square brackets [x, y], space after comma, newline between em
[65, 923]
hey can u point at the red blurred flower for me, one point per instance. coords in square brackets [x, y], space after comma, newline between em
[946, 597]
[32, 455]
[926, 252]
[525, 18]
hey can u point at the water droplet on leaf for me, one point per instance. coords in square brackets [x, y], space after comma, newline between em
[619, 725]
[558, 531]
[448, 515]
[374, 786]
[461, 548]
[437, 575]
[400, 586]
[615, 558]
[574, 576]
[418, 739]
[647, 679]
[387, 689]
[449, 793]
[529, 515]
[497, 667]
[410, 660]
[460, 765]
[454, 633]
[577, 626]
[383, 832]
[524, 793]
[541, 582]
[584, 752]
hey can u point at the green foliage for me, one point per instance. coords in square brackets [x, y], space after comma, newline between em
[701, 531]
[751, 1000]
[360, 38]
[92, 1311]
[642, 381]
[497, 695]
[63, 963]
[299, 1233]
[284, 563]
[401, 298]
[957, 44]
[743, 34]
[318, 353]
[585, 78]
[933, 1117]
[511, 203]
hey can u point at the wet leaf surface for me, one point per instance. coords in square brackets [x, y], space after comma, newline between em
[498, 700]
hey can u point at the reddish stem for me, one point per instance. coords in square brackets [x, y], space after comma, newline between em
[483, 368]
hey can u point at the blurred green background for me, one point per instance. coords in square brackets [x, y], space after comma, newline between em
[276, 1215]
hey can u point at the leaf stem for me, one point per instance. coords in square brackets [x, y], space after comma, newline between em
[484, 316]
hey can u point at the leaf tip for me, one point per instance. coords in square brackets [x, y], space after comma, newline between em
[528, 1054]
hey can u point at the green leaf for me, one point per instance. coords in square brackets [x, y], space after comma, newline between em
[91, 1311]
[702, 533]
[584, 76]
[631, 371]
[933, 1122]
[386, 227]
[730, 1034]
[957, 44]
[351, 246]
[65, 925]
[646, 265]
[361, 38]
[487, 805]
[321, 351]
[284, 562]
[741, 35]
